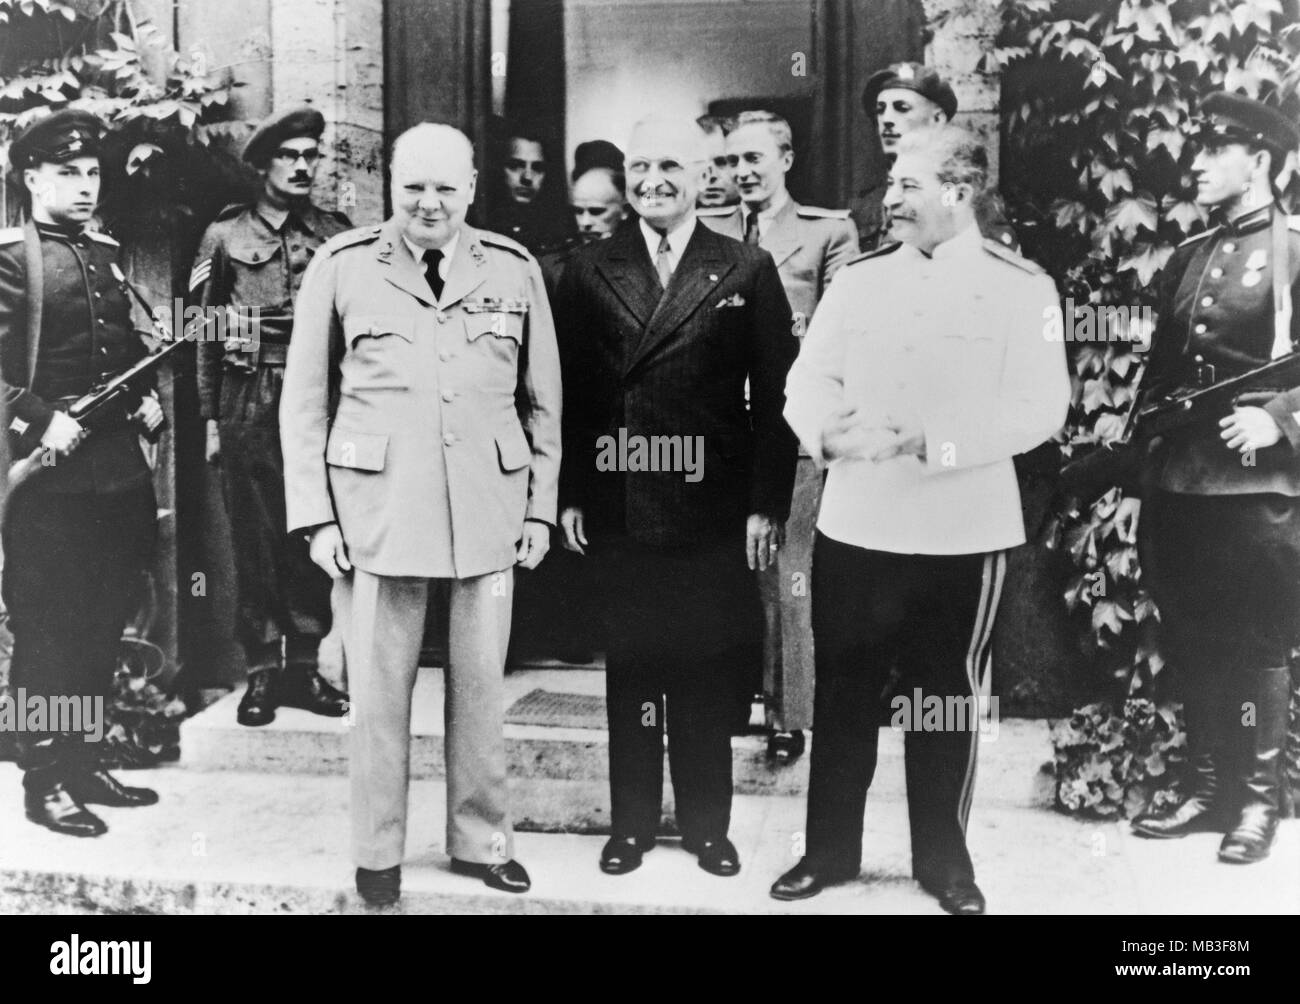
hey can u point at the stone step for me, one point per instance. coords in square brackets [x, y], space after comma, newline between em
[236, 843]
[559, 776]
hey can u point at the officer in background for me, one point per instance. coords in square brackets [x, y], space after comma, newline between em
[79, 532]
[901, 99]
[719, 190]
[917, 418]
[1219, 534]
[251, 261]
[809, 245]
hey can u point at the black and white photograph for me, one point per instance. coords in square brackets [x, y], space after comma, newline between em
[650, 457]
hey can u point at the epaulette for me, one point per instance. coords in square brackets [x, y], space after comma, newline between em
[998, 250]
[11, 235]
[504, 243]
[351, 238]
[1198, 237]
[230, 211]
[716, 210]
[95, 235]
[816, 213]
[877, 253]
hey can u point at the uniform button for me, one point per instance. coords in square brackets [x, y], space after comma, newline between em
[444, 355]
[90, 268]
[1207, 301]
[448, 395]
[100, 320]
[1216, 273]
[98, 294]
[442, 318]
[1230, 247]
[448, 439]
[103, 349]
[295, 247]
[1200, 329]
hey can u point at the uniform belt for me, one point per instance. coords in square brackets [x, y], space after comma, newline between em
[272, 355]
[266, 354]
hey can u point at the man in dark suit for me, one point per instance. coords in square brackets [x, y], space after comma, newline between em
[661, 325]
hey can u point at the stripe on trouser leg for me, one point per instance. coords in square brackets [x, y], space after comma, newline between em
[977, 662]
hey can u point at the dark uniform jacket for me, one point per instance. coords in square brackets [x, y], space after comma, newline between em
[65, 326]
[676, 366]
[254, 256]
[1216, 310]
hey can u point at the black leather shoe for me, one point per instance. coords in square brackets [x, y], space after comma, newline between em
[257, 707]
[303, 687]
[382, 887]
[717, 857]
[508, 877]
[961, 898]
[785, 747]
[621, 855]
[102, 788]
[1202, 811]
[805, 880]
[57, 810]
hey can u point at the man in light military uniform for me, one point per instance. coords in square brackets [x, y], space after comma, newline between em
[251, 261]
[809, 246]
[439, 460]
[925, 370]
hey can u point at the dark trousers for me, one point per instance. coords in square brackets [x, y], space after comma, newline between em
[675, 618]
[73, 564]
[282, 594]
[933, 614]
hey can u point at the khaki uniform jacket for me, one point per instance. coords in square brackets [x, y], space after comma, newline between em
[426, 462]
[809, 246]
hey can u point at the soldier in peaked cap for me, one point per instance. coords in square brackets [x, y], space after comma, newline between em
[78, 532]
[252, 260]
[1219, 535]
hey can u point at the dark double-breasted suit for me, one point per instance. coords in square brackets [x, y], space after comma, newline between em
[668, 546]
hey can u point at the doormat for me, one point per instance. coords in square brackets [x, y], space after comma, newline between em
[558, 710]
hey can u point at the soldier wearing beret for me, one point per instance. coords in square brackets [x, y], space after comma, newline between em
[809, 245]
[1219, 535]
[900, 99]
[79, 531]
[252, 260]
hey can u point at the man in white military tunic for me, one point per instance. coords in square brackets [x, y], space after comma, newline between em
[426, 332]
[926, 369]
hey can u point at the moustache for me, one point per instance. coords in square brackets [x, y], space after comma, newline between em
[300, 179]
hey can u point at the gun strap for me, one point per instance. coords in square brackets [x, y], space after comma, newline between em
[1281, 286]
[35, 296]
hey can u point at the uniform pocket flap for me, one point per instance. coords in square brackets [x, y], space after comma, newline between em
[253, 254]
[361, 451]
[513, 448]
[376, 326]
[500, 324]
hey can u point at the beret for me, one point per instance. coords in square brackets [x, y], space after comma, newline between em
[56, 139]
[272, 132]
[1229, 117]
[596, 153]
[924, 80]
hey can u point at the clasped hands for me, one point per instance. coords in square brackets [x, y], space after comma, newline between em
[850, 435]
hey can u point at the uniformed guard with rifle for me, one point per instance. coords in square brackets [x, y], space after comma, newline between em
[80, 527]
[253, 259]
[1220, 512]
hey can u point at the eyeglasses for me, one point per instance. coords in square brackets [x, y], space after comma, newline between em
[293, 156]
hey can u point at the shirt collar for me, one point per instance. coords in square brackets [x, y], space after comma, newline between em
[1250, 221]
[678, 237]
[778, 203]
[964, 243]
[272, 216]
[448, 249]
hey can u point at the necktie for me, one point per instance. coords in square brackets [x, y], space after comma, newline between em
[431, 275]
[751, 228]
[664, 263]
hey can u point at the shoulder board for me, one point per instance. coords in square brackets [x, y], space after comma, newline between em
[877, 253]
[1000, 250]
[351, 238]
[716, 210]
[1293, 223]
[95, 235]
[815, 213]
[504, 243]
[1198, 237]
[231, 211]
[11, 235]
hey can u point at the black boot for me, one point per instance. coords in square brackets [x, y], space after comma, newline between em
[1204, 807]
[1261, 773]
[1292, 768]
[302, 686]
[258, 704]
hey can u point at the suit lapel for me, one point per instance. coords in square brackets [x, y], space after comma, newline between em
[782, 237]
[401, 269]
[702, 269]
[629, 272]
[468, 268]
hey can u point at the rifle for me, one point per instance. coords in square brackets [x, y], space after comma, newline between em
[101, 402]
[1116, 462]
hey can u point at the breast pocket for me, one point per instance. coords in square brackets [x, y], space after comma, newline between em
[259, 274]
[379, 352]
